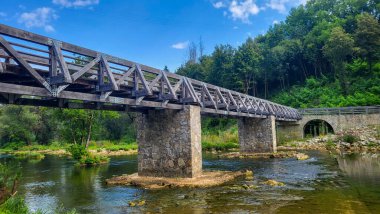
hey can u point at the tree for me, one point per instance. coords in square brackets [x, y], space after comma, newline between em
[339, 46]
[367, 37]
[17, 124]
[221, 72]
[246, 65]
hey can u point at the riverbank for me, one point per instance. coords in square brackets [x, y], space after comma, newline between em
[363, 139]
[96, 148]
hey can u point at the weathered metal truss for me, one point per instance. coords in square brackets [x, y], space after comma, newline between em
[37, 70]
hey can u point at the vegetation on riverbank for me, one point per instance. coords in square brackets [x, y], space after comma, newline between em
[350, 140]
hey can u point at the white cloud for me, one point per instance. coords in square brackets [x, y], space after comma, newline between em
[282, 6]
[279, 5]
[218, 4]
[180, 45]
[238, 9]
[40, 17]
[276, 22]
[2, 14]
[75, 3]
[243, 10]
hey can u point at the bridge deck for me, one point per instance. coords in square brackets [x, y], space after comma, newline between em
[37, 70]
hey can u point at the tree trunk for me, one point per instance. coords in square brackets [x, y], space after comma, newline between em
[89, 130]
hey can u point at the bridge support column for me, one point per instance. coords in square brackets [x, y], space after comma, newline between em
[170, 143]
[257, 134]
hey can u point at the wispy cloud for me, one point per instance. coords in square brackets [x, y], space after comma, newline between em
[238, 9]
[243, 10]
[40, 18]
[282, 6]
[76, 3]
[218, 4]
[180, 45]
[275, 22]
[2, 14]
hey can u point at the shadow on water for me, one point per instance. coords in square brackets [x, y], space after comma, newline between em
[322, 184]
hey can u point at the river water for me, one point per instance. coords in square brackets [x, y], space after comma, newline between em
[322, 184]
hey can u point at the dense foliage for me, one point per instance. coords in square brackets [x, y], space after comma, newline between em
[326, 53]
[26, 125]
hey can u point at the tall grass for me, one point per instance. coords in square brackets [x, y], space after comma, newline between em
[221, 140]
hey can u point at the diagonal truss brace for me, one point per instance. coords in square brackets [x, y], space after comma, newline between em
[57, 56]
[13, 53]
[206, 94]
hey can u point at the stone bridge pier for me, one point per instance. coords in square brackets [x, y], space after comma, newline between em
[257, 135]
[170, 143]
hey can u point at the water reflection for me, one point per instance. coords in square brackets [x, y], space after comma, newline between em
[314, 184]
[362, 167]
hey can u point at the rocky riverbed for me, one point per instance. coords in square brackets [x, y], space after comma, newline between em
[354, 140]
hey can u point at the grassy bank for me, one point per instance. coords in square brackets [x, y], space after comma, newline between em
[220, 140]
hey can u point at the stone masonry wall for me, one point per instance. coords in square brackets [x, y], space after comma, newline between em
[170, 143]
[294, 130]
[257, 135]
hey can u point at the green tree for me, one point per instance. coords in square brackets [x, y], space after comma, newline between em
[338, 48]
[246, 65]
[17, 124]
[367, 37]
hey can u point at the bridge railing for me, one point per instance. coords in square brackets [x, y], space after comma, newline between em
[70, 72]
[341, 110]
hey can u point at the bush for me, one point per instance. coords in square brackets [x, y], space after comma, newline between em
[91, 159]
[77, 151]
[14, 205]
[330, 144]
[13, 146]
[349, 138]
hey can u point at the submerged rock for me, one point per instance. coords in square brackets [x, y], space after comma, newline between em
[273, 183]
[206, 179]
[301, 156]
[249, 175]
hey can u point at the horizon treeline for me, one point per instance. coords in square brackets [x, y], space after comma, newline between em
[325, 54]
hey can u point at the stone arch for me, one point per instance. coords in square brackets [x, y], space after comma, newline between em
[316, 127]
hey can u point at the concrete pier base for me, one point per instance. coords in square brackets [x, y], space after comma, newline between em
[170, 143]
[257, 135]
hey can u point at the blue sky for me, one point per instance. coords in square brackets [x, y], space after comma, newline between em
[150, 32]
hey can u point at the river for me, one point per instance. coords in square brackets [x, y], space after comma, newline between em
[322, 184]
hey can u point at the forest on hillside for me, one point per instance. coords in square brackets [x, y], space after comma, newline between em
[325, 54]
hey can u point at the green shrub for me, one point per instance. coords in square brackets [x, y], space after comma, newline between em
[330, 144]
[91, 159]
[14, 205]
[349, 138]
[13, 146]
[77, 151]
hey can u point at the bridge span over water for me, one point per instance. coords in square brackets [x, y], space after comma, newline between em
[41, 71]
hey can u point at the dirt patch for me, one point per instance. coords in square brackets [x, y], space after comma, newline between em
[280, 154]
[207, 179]
[105, 152]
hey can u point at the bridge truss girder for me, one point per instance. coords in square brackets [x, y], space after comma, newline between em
[43, 71]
